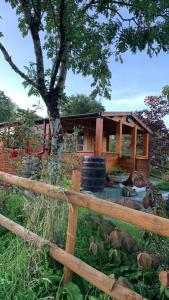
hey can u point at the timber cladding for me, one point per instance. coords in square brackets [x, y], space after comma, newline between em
[112, 160]
[8, 163]
[127, 164]
[98, 134]
[143, 165]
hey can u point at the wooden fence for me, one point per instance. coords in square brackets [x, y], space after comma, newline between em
[66, 257]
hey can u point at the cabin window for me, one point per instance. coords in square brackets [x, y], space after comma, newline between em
[10, 137]
[36, 139]
[73, 141]
[80, 141]
[111, 145]
[126, 145]
[140, 144]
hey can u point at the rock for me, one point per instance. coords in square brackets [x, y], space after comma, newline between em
[121, 239]
[105, 226]
[109, 183]
[115, 238]
[128, 191]
[146, 202]
[137, 179]
[29, 194]
[147, 261]
[129, 203]
[144, 260]
[139, 189]
[118, 178]
[164, 278]
[93, 248]
[156, 261]
[127, 240]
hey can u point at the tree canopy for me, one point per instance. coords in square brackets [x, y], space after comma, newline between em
[153, 116]
[82, 35]
[7, 108]
[80, 104]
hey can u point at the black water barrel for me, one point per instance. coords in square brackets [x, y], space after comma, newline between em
[93, 173]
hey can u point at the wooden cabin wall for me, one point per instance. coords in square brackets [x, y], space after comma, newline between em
[143, 165]
[112, 160]
[127, 164]
[90, 138]
[36, 146]
[8, 163]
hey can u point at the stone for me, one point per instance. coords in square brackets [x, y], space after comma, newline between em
[129, 192]
[136, 179]
[129, 203]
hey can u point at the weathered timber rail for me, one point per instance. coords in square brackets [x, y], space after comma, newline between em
[144, 220]
[100, 280]
[71, 263]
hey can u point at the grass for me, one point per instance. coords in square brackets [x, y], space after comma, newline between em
[134, 231]
[25, 272]
[28, 273]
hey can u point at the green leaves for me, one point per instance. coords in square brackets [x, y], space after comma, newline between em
[80, 104]
[95, 33]
[72, 292]
[7, 108]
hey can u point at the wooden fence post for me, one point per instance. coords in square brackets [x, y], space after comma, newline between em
[72, 224]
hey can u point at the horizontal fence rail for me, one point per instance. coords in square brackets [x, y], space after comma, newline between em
[65, 257]
[144, 220]
[100, 280]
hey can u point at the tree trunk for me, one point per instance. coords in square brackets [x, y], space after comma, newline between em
[56, 142]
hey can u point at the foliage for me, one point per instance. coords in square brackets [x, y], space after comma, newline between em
[31, 274]
[7, 108]
[163, 185]
[19, 134]
[117, 259]
[80, 104]
[116, 171]
[158, 108]
[82, 36]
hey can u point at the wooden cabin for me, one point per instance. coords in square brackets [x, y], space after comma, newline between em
[120, 137]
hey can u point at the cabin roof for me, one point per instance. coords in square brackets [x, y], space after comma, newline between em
[111, 115]
[93, 115]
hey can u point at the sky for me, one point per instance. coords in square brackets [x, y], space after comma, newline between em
[137, 77]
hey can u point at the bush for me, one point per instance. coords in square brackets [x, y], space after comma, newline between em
[117, 171]
[163, 185]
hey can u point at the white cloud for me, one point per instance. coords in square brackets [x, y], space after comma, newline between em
[19, 95]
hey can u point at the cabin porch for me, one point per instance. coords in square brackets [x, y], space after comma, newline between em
[118, 137]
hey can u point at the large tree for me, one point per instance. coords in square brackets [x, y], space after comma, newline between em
[81, 35]
[80, 104]
[7, 108]
[153, 116]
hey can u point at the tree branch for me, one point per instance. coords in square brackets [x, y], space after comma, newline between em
[15, 68]
[63, 37]
[63, 69]
[128, 19]
[94, 3]
[34, 22]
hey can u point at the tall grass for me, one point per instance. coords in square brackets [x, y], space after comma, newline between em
[25, 272]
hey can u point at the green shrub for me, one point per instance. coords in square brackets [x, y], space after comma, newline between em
[117, 171]
[163, 185]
